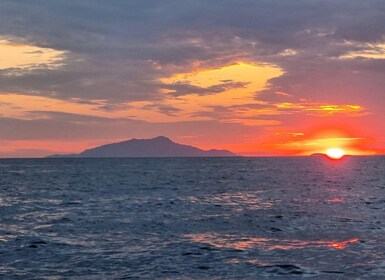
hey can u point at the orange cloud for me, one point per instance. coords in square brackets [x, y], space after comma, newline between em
[254, 77]
[24, 57]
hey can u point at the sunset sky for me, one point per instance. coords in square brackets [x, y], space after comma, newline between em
[258, 77]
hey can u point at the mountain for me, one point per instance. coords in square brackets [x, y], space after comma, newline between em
[156, 147]
[318, 155]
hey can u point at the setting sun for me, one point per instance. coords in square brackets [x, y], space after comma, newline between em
[335, 153]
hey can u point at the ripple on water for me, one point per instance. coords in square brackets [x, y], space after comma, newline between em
[263, 218]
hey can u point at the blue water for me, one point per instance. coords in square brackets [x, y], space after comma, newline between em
[229, 218]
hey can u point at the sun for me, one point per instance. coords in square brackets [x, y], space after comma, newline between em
[335, 153]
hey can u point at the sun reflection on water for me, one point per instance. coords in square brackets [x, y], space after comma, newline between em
[343, 244]
[266, 244]
[336, 200]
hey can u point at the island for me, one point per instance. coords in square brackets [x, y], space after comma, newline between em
[155, 147]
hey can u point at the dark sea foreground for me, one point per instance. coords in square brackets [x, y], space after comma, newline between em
[211, 218]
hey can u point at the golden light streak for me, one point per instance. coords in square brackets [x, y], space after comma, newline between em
[322, 109]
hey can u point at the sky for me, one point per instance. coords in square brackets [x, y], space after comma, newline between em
[260, 78]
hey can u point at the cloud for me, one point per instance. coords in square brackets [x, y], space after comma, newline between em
[118, 51]
[180, 89]
[70, 117]
[121, 56]
[365, 50]
[165, 109]
[321, 109]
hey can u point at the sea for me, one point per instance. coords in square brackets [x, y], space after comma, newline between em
[192, 218]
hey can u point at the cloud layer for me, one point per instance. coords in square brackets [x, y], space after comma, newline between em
[116, 60]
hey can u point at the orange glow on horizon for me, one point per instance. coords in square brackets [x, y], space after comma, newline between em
[316, 139]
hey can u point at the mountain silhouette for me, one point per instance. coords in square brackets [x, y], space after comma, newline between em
[156, 147]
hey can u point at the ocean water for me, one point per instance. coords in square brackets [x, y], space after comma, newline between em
[211, 218]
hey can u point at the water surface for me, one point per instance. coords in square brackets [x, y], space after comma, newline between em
[211, 218]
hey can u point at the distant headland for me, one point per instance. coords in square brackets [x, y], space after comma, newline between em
[156, 147]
